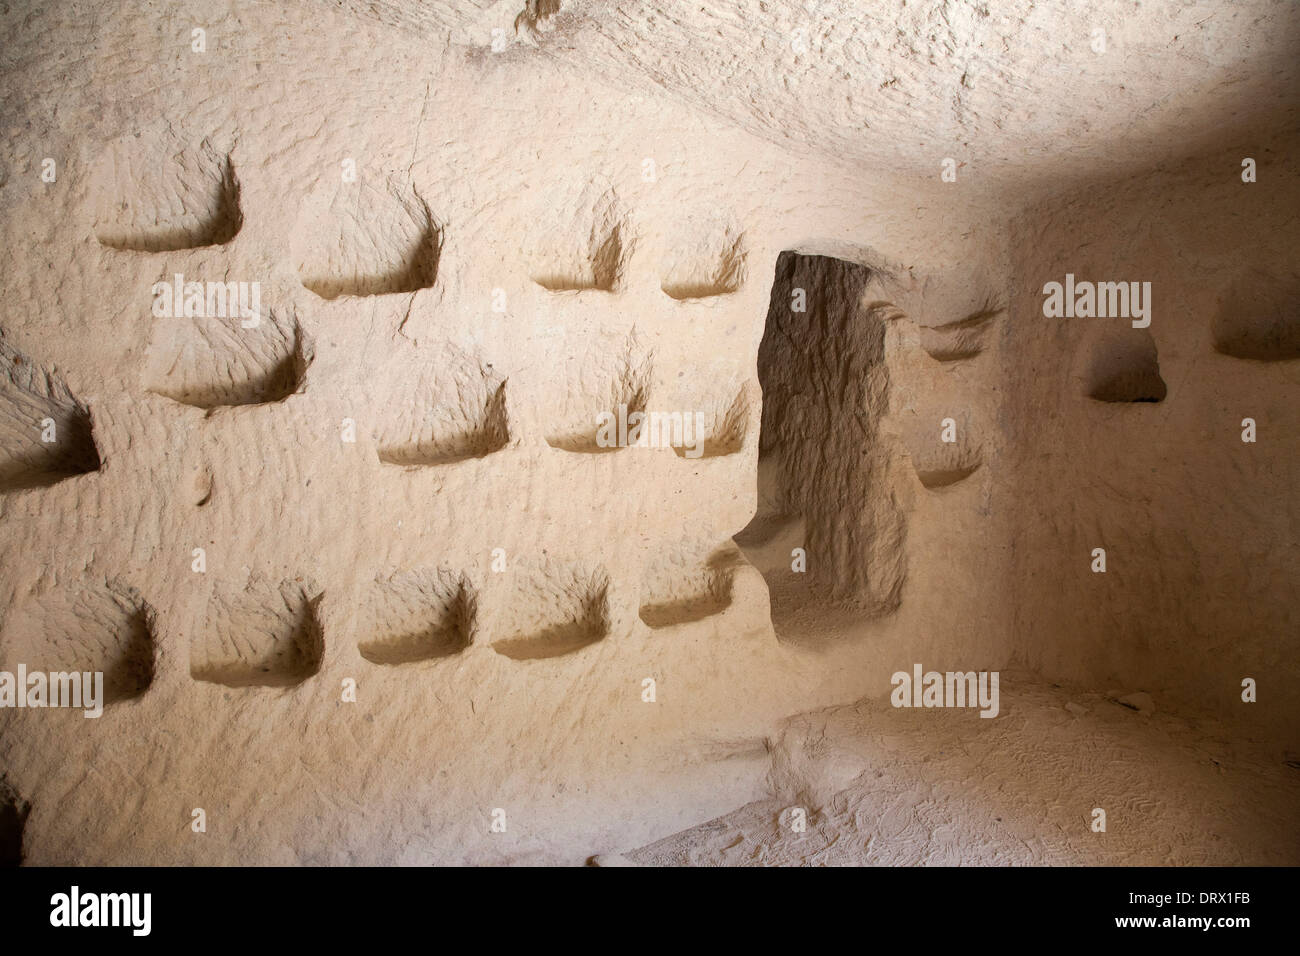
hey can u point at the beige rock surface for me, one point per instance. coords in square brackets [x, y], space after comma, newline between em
[880, 787]
[395, 477]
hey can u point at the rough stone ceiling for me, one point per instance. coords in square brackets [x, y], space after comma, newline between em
[1013, 89]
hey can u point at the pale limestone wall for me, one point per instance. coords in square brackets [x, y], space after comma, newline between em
[502, 270]
[1200, 529]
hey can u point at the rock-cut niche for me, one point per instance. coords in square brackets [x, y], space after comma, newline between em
[825, 389]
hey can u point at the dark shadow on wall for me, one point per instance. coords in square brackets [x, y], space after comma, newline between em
[13, 819]
[1146, 458]
[823, 485]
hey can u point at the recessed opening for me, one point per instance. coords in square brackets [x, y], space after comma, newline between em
[553, 611]
[706, 258]
[824, 392]
[594, 392]
[259, 635]
[367, 241]
[45, 432]
[87, 627]
[453, 419]
[942, 442]
[1258, 319]
[1123, 367]
[417, 616]
[683, 588]
[14, 811]
[215, 362]
[715, 427]
[958, 340]
[158, 193]
[587, 249]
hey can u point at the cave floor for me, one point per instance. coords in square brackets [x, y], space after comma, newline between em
[881, 786]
